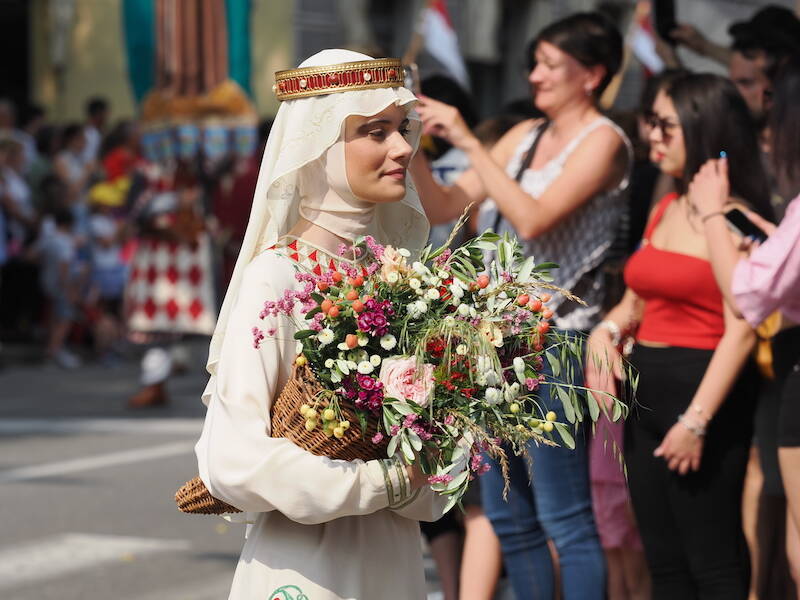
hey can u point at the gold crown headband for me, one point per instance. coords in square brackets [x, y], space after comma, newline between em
[344, 77]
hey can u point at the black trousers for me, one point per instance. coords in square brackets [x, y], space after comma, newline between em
[691, 525]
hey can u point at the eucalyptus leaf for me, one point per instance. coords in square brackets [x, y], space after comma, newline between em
[616, 413]
[408, 451]
[458, 480]
[566, 436]
[451, 503]
[392, 448]
[303, 334]
[555, 365]
[402, 408]
[525, 270]
[415, 440]
[594, 408]
[569, 410]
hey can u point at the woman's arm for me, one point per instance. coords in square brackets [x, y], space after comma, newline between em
[239, 461]
[682, 448]
[445, 203]
[593, 167]
[772, 272]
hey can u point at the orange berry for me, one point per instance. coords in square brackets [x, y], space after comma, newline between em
[547, 313]
[358, 281]
[326, 305]
[333, 312]
[545, 297]
[535, 305]
[351, 295]
[351, 340]
[367, 298]
[358, 306]
[322, 286]
[543, 327]
[523, 299]
[336, 276]
[483, 281]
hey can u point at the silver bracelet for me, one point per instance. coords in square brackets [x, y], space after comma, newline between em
[698, 430]
[613, 329]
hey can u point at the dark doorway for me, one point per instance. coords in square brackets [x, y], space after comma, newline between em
[15, 47]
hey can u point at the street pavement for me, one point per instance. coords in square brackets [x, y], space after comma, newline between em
[86, 490]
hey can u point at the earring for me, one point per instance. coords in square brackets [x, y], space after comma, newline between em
[589, 91]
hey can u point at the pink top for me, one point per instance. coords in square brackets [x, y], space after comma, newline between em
[769, 279]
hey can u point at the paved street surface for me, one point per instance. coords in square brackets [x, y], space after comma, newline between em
[86, 490]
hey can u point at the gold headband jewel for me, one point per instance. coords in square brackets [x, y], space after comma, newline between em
[344, 77]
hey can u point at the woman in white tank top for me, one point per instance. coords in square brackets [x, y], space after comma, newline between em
[563, 198]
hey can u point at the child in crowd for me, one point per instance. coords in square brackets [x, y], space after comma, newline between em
[60, 280]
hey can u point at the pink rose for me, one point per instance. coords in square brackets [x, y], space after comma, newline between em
[403, 380]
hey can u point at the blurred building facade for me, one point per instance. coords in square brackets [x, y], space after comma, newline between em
[59, 52]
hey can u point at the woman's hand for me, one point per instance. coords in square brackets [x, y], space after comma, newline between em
[603, 366]
[681, 448]
[709, 190]
[444, 121]
[417, 478]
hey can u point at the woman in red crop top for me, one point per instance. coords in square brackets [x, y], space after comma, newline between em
[687, 439]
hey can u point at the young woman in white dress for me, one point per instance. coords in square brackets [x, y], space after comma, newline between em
[334, 168]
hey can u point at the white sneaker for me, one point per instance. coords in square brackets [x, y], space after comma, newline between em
[66, 359]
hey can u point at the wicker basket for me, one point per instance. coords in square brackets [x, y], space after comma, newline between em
[302, 388]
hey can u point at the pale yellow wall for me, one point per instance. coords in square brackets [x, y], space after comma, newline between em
[96, 60]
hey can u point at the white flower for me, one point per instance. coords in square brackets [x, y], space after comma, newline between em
[491, 378]
[420, 269]
[481, 380]
[414, 283]
[511, 391]
[363, 339]
[375, 360]
[417, 309]
[472, 312]
[357, 356]
[388, 341]
[432, 294]
[343, 346]
[519, 364]
[461, 349]
[449, 319]
[441, 274]
[365, 367]
[329, 363]
[403, 252]
[493, 396]
[336, 377]
[351, 364]
[463, 310]
[325, 336]
[393, 277]
[457, 291]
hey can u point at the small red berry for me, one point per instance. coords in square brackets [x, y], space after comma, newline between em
[535, 305]
[336, 276]
[351, 295]
[326, 305]
[358, 306]
[543, 327]
[483, 281]
[351, 340]
[322, 286]
[523, 299]
[333, 312]
[547, 313]
[546, 297]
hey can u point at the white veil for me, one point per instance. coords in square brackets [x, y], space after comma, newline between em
[302, 132]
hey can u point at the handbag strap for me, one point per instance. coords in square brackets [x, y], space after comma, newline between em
[527, 159]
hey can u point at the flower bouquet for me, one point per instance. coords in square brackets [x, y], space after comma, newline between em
[438, 359]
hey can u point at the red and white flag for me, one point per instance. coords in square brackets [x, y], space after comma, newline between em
[441, 41]
[642, 40]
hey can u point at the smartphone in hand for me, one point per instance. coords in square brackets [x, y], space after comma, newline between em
[664, 17]
[740, 224]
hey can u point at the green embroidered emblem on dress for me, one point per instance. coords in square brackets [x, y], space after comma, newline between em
[288, 592]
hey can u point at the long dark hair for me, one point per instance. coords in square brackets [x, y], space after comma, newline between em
[714, 118]
[588, 37]
[784, 123]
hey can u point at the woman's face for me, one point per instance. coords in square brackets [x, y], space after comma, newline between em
[558, 79]
[667, 149]
[377, 154]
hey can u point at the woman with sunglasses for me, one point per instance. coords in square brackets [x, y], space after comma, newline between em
[557, 183]
[687, 439]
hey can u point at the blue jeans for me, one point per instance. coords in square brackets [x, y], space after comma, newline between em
[550, 501]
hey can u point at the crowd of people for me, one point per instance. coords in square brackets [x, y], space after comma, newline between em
[75, 201]
[632, 207]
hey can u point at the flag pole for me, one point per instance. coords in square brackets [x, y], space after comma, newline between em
[417, 40]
